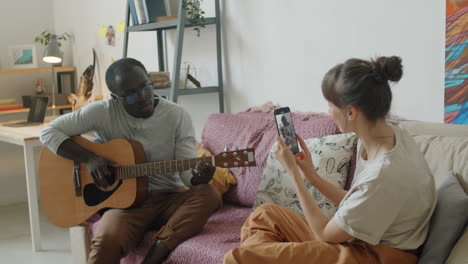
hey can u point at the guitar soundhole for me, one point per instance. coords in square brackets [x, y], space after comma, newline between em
[94, 196]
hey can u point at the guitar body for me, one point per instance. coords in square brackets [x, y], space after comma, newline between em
[59, 200]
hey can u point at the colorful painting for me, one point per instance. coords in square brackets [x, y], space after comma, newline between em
[23, 56]
[456, 62]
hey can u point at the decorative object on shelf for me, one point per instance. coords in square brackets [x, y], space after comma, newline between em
[45, 36]
[23, 56]
[40, 86]
[193, 80]
[85, 90]
[53, 55]
[195, 15]
[160, 80]
[188, 71]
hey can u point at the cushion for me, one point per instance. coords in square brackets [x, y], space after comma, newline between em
[257, 130]
[222, 178]
[459, 254]
[447, 222]
[331, 156]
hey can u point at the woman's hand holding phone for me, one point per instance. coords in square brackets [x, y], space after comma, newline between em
[285, 156]
[305, 163]
[302, 161]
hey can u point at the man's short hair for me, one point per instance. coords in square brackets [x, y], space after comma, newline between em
[119, 66]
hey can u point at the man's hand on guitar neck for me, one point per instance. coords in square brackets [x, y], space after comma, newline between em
[202, 174]
[98, 167]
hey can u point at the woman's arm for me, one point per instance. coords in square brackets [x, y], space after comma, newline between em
[324, 230]
[306, 168]
[331, 191]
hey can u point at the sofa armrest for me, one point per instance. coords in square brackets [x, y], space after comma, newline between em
[79, 244]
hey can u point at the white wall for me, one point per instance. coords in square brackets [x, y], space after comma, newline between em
[280, 50]
[20, 22]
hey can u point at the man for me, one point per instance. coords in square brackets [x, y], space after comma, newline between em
[165, 131]
[287, 131]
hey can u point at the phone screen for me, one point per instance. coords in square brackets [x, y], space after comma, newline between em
[286, 128]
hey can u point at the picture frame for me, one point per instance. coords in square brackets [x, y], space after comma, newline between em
[23, 56]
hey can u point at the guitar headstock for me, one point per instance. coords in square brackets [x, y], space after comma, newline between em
[237, 158]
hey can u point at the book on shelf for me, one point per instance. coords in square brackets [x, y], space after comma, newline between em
[155, 9]
[11, 107]
[149, 11]
[140, 10]
[133, 13]
[7, 102]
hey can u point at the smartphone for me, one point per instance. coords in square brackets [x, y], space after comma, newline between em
[284, 124]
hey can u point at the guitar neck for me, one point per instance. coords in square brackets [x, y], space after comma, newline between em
[159, 167]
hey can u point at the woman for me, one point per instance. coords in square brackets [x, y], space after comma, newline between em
[384, 216]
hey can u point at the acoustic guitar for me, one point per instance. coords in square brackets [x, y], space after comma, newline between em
[69, 195]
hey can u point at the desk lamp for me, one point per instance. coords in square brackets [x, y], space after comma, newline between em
[53, 55]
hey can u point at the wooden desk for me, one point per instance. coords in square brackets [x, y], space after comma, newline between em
[28, 138]
[25, 110]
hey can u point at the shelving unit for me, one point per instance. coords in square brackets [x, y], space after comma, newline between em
[179, 25]
[59, 70]
[68, 69]
[25, 110]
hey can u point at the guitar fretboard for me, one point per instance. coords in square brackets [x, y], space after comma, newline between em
[159, 167]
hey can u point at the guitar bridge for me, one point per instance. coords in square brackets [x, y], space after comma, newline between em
[76, 178]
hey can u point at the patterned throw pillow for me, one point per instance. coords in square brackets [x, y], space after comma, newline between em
[331, 156]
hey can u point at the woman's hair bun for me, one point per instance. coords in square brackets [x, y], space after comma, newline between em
[388, 68]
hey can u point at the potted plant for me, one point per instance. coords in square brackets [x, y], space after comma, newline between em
[195, 15]
[44, 37]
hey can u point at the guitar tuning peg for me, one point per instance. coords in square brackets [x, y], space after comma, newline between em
[226, 148]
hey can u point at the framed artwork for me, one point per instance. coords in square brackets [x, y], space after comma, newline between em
[23, 56]
[456, 62]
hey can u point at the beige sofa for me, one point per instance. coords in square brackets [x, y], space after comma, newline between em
[444, 146]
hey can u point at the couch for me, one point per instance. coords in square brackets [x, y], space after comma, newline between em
[257, 129]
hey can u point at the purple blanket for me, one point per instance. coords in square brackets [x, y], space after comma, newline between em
[256, 130]
[220, 234]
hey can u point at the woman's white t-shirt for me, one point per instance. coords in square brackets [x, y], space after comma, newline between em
[391, 198]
